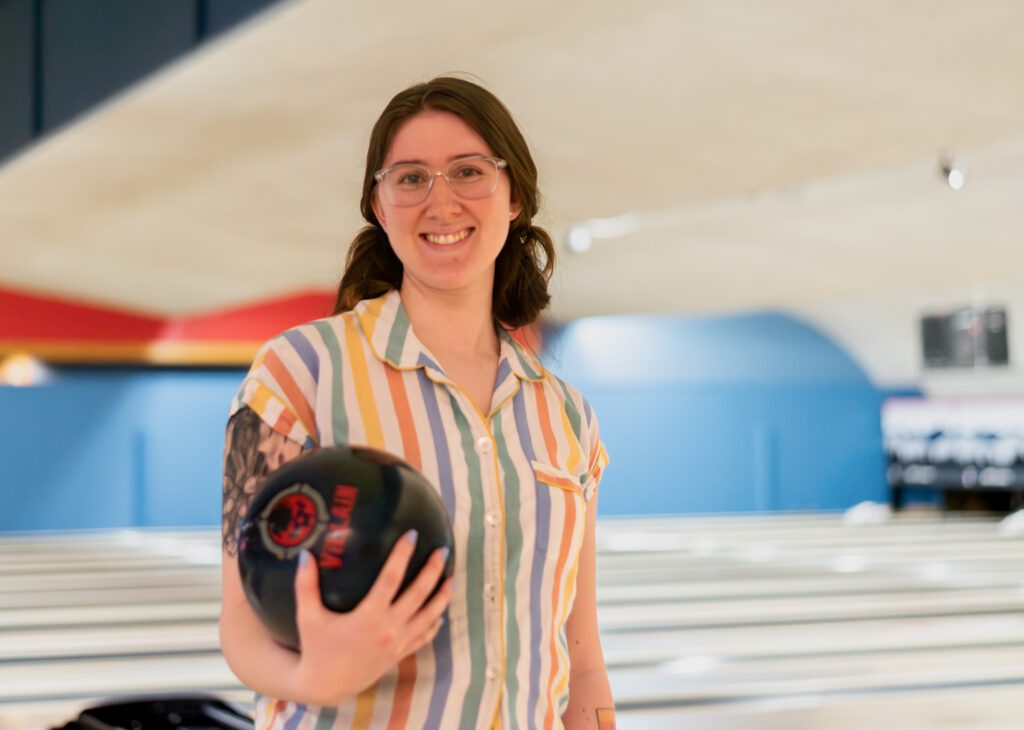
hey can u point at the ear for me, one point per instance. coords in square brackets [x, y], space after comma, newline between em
[514, 210]
[378, 210]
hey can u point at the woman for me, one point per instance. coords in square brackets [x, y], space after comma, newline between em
[417, 360]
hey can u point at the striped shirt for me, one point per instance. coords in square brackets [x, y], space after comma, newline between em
[516, 483]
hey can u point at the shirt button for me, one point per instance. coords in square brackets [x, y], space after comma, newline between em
[484, 445]
[493, 517]
[492, 673]
[489, 589]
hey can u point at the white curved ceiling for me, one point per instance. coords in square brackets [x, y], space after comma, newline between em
[771, 154]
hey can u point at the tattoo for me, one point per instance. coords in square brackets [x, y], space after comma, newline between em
[606, 718]
[251, 451]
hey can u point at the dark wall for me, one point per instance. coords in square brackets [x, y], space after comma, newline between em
[17, 75]
[60, 58]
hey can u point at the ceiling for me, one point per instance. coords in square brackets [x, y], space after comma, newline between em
[764, 154]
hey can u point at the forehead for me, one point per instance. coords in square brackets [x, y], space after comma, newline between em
[435, 137]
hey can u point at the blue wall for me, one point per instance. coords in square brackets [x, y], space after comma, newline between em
[114, 448]
[724, 414]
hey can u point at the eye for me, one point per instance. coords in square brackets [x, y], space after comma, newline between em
[468, 170]
[409, 176]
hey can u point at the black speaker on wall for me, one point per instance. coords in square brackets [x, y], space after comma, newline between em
[965, 338]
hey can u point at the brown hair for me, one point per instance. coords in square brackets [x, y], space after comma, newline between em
[524, 265]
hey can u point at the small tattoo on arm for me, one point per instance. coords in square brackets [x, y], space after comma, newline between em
[252, 450]
[605, 718]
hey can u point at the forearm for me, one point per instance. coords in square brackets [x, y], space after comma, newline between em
[589, 691]
[259, 662]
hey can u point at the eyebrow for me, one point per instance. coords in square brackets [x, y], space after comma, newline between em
[451, 159]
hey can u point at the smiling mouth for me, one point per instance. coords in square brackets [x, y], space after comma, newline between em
[446, 239]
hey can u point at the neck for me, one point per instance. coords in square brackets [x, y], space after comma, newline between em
[451, 323]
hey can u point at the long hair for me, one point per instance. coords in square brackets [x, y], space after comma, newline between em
[526, 261]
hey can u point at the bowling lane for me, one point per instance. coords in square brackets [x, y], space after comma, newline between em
[71, 642]
[973, 708]
[804, 619]
[810, 640]
[709, 679]
[91, 617]
[80, 680]
[823, 609]
[93, 582]
[706, 622]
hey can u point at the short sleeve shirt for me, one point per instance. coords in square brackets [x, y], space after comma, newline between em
[516, 481]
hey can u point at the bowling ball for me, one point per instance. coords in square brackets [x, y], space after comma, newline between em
[347, 505]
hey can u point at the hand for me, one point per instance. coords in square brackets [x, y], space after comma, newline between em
[344, 653]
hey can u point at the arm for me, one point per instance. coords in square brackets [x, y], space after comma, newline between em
[252, 450]
[591, 706]
[345, 652]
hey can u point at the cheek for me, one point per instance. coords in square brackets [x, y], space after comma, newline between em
[397, 225]
[498, 215]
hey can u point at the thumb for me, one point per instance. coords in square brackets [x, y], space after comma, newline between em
[307, 586]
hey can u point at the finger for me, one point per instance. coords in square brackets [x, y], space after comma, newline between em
[416, 594]
[423, 639]
[307, 588]
[384, 589]
[430, 613]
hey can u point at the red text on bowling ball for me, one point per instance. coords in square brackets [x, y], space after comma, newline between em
[343, 502]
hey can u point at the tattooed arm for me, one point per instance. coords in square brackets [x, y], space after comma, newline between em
[252, 450]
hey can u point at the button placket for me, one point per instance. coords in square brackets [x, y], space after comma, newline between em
[493, 520]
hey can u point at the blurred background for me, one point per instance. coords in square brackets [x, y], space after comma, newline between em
[788, 280]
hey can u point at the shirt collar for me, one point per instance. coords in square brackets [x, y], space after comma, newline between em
[386, 325]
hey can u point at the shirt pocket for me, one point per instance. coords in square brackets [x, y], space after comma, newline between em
[559, 495]
[557, 477]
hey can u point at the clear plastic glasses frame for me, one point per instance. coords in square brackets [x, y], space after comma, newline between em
[470, 178]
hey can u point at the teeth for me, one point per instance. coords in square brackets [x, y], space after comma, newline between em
[446, 239]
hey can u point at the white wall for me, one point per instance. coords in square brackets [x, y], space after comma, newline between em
[882, 333]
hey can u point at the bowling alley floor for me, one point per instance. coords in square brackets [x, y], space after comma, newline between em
[709, 623]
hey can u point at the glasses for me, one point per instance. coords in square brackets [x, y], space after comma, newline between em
[470, 177]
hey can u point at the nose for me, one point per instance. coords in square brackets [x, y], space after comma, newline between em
[441, 198]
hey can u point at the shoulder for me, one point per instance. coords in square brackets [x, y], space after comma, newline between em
[529, 366]
[308, 344]
[572, 399]
[283, 382]
[580, 417]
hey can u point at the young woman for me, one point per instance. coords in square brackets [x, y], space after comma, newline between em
[417, 360]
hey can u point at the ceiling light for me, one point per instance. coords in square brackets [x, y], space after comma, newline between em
[579, 239]
[952, 172]
[581, 236]
[22, 370]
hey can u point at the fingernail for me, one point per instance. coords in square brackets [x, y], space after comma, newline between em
[444, 554]
[411, 536]
[304, 558]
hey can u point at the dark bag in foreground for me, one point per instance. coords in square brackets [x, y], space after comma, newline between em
[166, 712]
